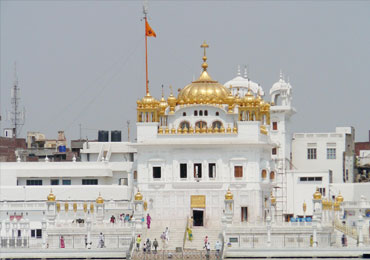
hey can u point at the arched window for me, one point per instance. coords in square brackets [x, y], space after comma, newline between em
[184, 124]
[206, 112]
[201, 112]
[195, 112]
[184, 114]
[217, 114]
[200, 124]
[272, 175]
[264, 174]
[216, 124]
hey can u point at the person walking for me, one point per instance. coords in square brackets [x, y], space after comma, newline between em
[101, 240]
[155, 245]
[148, 245]
[205, 240]
[62, 245]
[218, 249]
[148, 220]
[208, 250]
[138, 242]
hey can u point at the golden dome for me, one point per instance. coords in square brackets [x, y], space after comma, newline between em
[51, 196]
[138, 196]
[205, 90]
[229, 195]
[339, 198]
[99, 200]
[148, 102]
[317, 195]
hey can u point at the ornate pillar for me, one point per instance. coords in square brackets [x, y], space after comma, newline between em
[138, 210]
[44, 234]
[7, 229]
[51, 208]
[268, 220]
[360, 224]
[99, 209]
[229, 207]
[88, 227]
[317, 205]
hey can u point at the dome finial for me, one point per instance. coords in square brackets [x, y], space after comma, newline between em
[246, 71]
[171, 90]
[238, 70]
[204, 65]
[162, 91]
[281, 74]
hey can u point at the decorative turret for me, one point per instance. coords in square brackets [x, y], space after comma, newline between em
[339, 198]
[99, 200]
[317, 195]
[51, 196]
[229, 195]
[138, 196]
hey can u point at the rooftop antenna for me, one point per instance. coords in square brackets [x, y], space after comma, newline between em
[128, 130]
[16, 116]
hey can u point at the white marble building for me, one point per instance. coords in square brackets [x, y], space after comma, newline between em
[193, 148]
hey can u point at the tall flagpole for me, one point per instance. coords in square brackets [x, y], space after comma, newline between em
[145, 11]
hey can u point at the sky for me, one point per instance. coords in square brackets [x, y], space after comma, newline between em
[81, 64]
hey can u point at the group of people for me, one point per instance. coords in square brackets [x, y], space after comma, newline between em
[207, 247]
[125, 218]
[147, 246]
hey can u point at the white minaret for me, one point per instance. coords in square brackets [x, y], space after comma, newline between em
[281, 112]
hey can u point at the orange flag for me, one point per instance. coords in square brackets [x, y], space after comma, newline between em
[148, 30]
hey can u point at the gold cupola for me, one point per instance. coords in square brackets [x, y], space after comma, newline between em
[171, 100]
[51, 196]
[138, 196]
[339, 198]
[162, 104]
[317, 195]
[99, 200]
[204, 90]
[229, 195]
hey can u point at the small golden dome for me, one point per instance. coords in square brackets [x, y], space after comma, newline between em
[99, 200]
[248, 98]
[51, 196]
[317, 195]
[229, 195]
[148, 102]
[339, 198]
[138, 196]
[163, 104]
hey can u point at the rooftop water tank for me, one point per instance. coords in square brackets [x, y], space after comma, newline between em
[103, 136]
[115, 136]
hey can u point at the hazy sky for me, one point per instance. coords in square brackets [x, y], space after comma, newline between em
[83, 61]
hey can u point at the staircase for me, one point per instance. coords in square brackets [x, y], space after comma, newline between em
[199, 233]
[176, 236]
